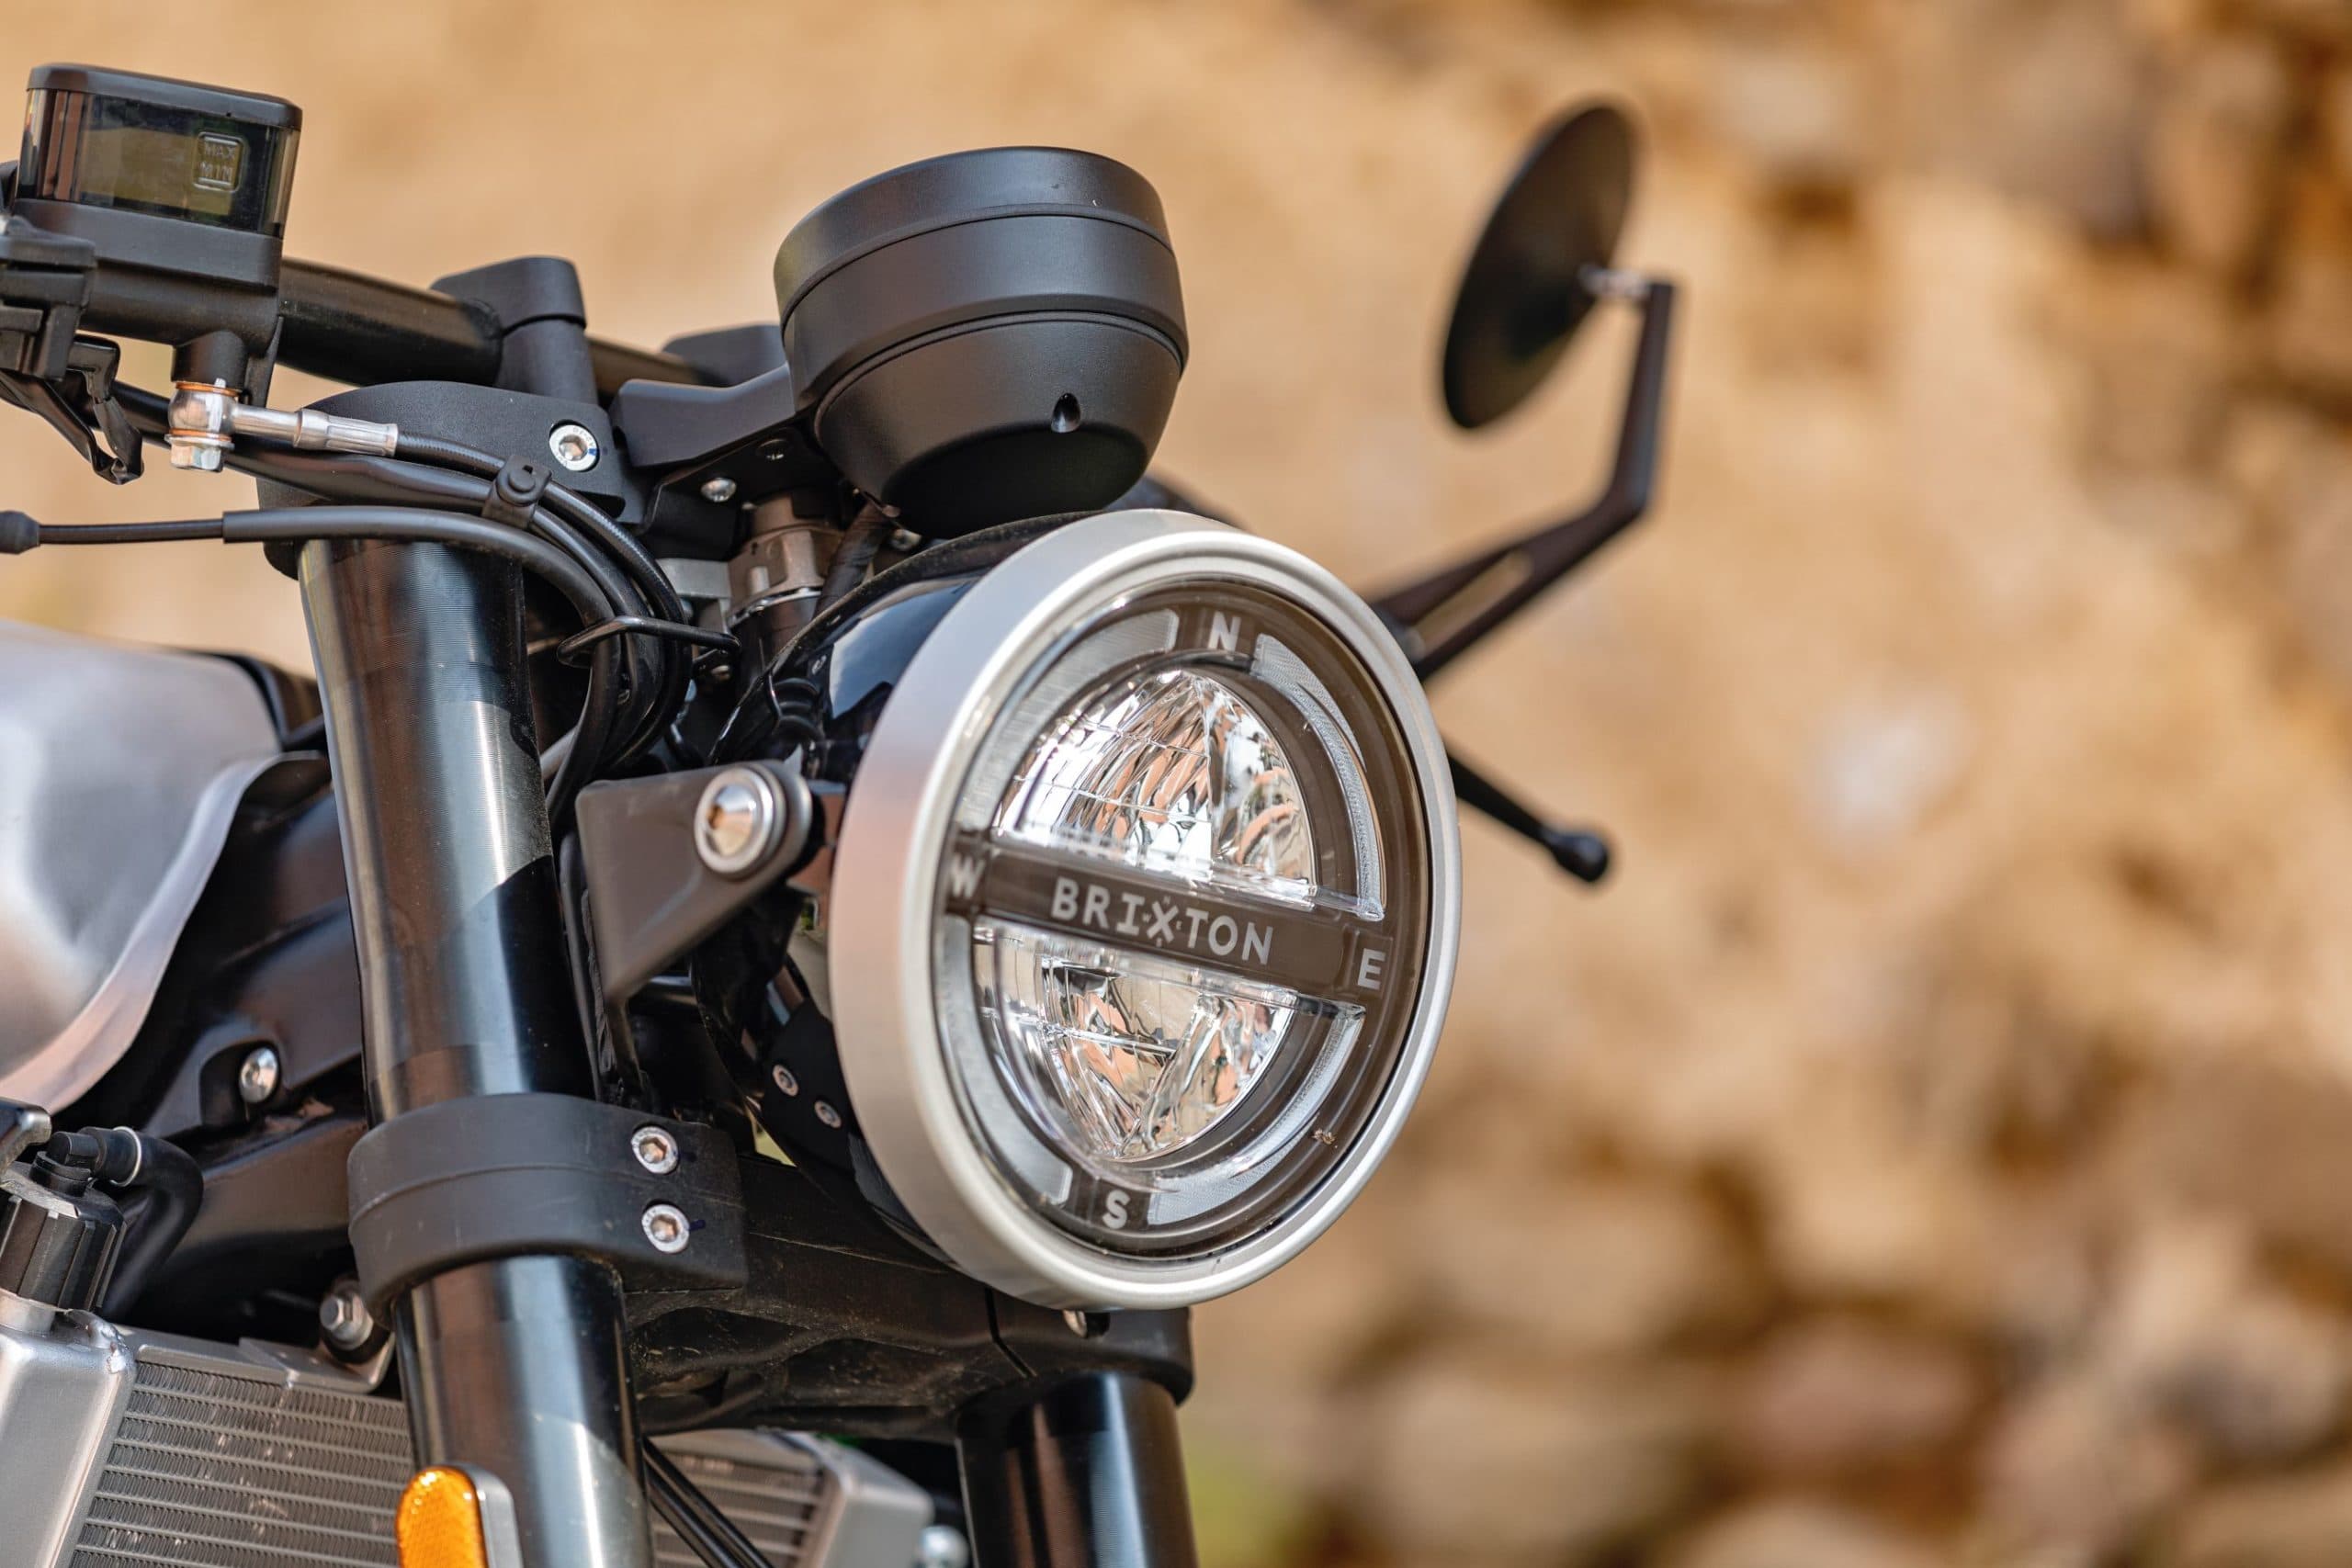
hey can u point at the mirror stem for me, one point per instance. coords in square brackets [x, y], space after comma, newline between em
[1444, 615]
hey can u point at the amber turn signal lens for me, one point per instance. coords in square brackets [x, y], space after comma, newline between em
[440, 1521]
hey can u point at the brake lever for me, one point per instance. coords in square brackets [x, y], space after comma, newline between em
[1581, 852]
[1446, 613]
[81, 406]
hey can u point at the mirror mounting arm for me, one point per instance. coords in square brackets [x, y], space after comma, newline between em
[1444, 615]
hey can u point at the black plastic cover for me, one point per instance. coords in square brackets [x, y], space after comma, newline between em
[153, 145]
[986, 336]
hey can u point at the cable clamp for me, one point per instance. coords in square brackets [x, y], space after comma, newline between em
[519, 490]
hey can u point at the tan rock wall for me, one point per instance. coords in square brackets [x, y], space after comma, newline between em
[1937, 1146]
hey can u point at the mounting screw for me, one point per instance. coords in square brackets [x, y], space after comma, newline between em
[738, 821]
[344, 1317]
[942, 1547]
[655, 1149]
[666, 1227]
[257, 1075]
[785, 1080]
[719, 490]
[574, 446]
[828, 1115]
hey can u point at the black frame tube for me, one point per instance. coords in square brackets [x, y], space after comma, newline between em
[514, 1366]
[1089, 1471]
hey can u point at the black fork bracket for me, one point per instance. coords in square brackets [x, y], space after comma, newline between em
[513, 1175]
[650, 895]
[843, 1326]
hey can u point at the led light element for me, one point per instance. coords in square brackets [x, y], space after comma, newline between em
[1155, 845]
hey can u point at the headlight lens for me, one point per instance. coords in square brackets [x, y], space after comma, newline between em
[1182, 864]
[1125, 1058]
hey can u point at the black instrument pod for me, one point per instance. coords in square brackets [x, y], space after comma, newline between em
[986, 336]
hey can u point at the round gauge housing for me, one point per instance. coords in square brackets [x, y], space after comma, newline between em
[1150, 877]
[988, 335]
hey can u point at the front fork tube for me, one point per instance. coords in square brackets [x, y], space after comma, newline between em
[515, 1366]
[1088, 1472]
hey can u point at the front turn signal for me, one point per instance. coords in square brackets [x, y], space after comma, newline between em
[440, 1522]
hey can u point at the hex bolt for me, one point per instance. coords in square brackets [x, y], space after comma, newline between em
[574, 446]
[344, 1317]
[655, 1149]
[666, 1227]
[828, 1115]
[257, 1075]
[738, 821]
[719, 490]
[785, 1080]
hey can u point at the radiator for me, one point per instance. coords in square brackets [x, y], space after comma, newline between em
[187, 1455]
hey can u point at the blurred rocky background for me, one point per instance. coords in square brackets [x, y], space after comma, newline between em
[1935, 1148]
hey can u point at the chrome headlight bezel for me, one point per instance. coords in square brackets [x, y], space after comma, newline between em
[888, 897]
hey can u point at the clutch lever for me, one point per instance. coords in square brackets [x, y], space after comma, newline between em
[1446, 613]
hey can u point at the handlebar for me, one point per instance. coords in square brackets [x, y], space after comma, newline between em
[350, 327]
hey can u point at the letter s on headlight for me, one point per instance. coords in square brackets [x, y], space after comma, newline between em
[1143, 913]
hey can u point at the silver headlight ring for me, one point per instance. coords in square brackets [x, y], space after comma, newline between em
[886, 899]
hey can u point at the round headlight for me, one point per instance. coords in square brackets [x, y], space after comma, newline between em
[1150, 873]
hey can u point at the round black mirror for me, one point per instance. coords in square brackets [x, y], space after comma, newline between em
[1525, 292]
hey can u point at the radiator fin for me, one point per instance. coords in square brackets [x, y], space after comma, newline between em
[776, 1509]
[213, 1470]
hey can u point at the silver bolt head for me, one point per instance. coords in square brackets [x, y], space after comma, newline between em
[655, 1149]
[257, 1075]
[204, 457]
[943, 1546]
[737, 821]
[719, 490]
[667, 1228]
[574, 446]
[785, 1080]
[827, 1114]
[343, 1317]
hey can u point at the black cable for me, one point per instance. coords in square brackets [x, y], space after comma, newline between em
[170, 532]
[694, 1516]
[375, 480]
[304, 523]
[460, 474]
[637, 709]
[859, 546]
[578, 510]
[660, 595]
